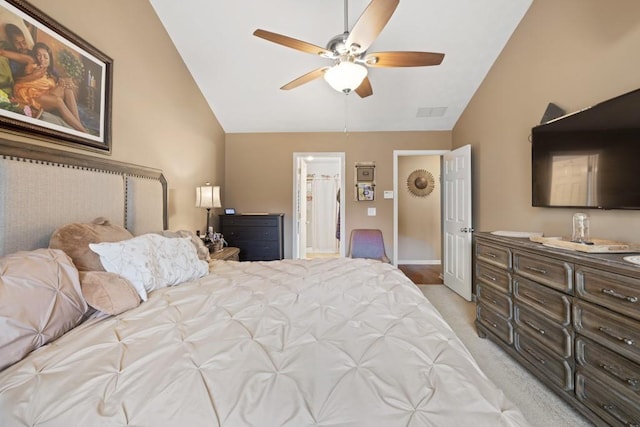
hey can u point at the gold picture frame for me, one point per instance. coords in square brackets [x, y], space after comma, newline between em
[64, 98]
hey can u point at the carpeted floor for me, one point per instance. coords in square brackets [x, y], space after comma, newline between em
[540, 406]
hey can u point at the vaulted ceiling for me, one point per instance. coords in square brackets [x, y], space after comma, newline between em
[240, 75]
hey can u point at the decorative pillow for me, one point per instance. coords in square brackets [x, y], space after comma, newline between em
[108, 292]
[203, 251]
[152, 261]
[40, 299]
[74, 240]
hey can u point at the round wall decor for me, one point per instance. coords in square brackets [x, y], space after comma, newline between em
[420, 183]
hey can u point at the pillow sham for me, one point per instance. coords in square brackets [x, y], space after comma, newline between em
[74, 240]
[108, 292]
[152, 261]
[201, 249]
[40, 299]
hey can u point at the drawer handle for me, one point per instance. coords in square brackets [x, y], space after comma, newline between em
[535, 356]
[633, 382]
[608, 331]
[494, 325]
[537, 270]
[614, 294]
[538, 300]
[540, 331]
[492, 300]
[492, 255]
[613, 411]
[493, 279]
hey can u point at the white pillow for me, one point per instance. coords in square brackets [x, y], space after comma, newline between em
[151, 261]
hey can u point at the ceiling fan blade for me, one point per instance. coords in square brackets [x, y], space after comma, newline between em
[364, 89]
[292, 43]
[370, 24]
[312, 75]
[403, 59]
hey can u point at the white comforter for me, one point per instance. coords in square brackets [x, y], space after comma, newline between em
[333, 342]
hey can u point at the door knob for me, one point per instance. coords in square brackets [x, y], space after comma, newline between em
[467, 230]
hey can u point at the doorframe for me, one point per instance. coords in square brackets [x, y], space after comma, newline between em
[404, 153]
[301, 156]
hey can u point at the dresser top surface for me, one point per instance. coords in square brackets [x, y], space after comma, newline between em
[612, 261]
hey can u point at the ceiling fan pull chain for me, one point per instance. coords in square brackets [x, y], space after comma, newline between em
[346, 114]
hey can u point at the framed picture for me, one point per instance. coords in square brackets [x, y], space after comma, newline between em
[366, 192]
[53, 85]
[365, 173]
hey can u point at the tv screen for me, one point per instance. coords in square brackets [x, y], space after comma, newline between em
[590, 159]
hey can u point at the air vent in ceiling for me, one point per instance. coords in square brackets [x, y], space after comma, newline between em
[431, 111]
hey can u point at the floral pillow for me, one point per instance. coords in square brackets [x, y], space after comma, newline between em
[203, 251]
[152, 261]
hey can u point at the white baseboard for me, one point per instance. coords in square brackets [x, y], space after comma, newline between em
[419, 262]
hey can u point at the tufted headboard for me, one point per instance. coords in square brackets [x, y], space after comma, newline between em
[43, 188]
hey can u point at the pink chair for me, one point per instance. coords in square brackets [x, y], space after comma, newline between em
[367, 243]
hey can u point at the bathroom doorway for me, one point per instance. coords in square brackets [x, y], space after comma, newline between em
[318, 220]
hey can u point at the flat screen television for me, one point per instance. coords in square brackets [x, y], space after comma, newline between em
[589, 159]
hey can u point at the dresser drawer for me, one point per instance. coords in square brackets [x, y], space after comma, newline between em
[494, 277]
[609, 365]
[554, 304]
[619, 333]
[556, 337]
[548, 271]
[261, 251]
[497, 301]
[619, 293]
[250, 221]
[605, 401]
[232, 234]
[496, 255]
[500, 326]
[557, 369]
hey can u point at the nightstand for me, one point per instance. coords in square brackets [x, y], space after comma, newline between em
[226, 254]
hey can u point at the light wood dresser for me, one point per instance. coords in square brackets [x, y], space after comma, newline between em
[571, 318]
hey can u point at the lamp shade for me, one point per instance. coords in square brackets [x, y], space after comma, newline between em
[346, 76]
[208, 197]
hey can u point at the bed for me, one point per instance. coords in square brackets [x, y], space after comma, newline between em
[331, 342]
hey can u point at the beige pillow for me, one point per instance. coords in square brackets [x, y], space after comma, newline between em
[74, 240]
[40, 299]
[108, 292]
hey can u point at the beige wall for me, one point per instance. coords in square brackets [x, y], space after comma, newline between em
[259, 172]
[574, 53]
[419, 225]
[160, 118]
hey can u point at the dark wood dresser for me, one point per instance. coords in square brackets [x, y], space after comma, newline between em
[259, 237]
[571, 318]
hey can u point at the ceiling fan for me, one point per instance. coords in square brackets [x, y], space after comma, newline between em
[349, 51]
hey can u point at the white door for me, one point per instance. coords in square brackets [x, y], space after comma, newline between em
[301, 209]
[457, 227]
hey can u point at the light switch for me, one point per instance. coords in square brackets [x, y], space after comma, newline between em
[388, 194]
[371, 211]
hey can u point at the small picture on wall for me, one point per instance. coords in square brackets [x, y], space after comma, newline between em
[365, 173]
[365, 192]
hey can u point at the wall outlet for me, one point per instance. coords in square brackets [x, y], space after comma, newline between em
[388, 194]
[371, 211]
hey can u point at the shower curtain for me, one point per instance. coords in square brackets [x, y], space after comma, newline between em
[324, 214]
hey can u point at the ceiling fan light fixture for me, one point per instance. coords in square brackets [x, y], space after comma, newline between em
[345, 76]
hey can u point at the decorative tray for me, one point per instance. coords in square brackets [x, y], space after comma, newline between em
[599, 245]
